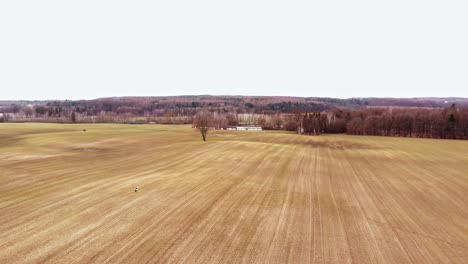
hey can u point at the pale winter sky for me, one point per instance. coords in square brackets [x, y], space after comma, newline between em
[338, 48]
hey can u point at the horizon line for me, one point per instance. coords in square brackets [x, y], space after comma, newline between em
[225, 95]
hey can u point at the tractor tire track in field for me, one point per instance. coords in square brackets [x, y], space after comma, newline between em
[261, 197]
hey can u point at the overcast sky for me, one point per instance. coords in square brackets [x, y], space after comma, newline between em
[365, 48]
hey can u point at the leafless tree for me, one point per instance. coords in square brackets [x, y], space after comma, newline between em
[298, 119]
[73, 117]
[202, 121]
[232, 119]
[219, 121]
[277, 121]
[28, 111]
[312, 123]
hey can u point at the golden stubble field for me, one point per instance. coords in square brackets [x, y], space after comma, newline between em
[67, 196]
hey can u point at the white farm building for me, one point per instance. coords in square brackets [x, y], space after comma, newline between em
[246, 128]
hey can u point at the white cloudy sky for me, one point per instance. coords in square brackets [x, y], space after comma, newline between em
[95, 48]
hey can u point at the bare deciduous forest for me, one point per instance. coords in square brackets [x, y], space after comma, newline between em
[418, 117]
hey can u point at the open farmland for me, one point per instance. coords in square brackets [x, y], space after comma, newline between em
[67, 196]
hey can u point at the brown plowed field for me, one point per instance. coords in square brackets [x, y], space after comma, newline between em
[67, 196]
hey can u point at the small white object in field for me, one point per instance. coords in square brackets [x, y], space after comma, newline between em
[136, 189]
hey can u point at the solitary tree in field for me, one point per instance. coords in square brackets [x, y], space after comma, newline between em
[202, 122]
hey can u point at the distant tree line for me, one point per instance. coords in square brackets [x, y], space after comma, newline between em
[190, 105]
[432, 118]
[446, 123]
